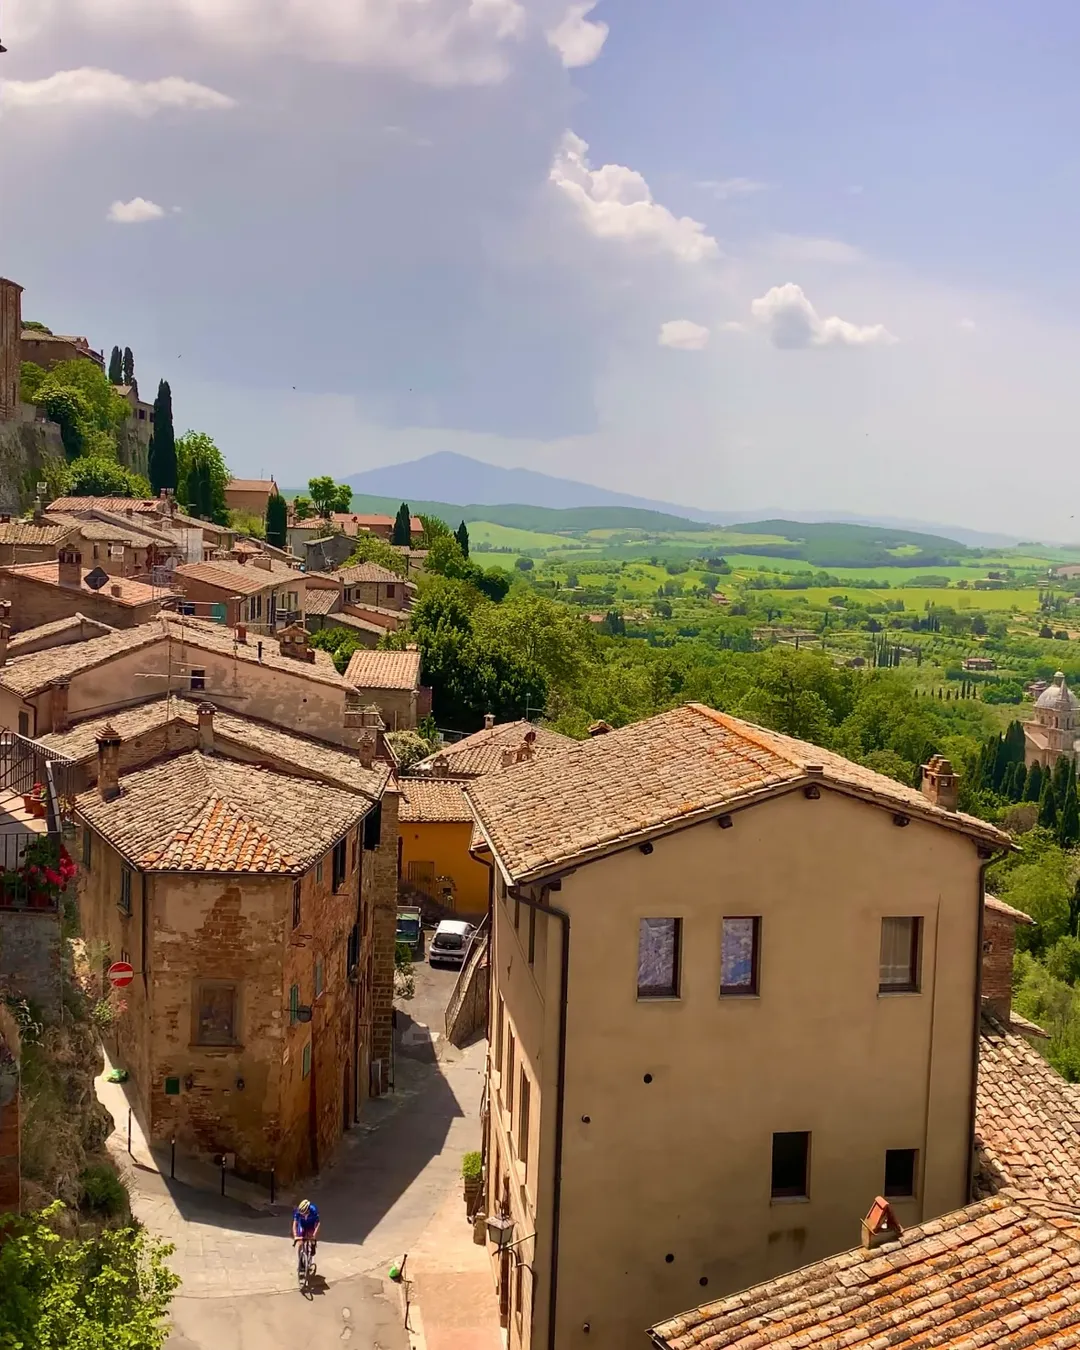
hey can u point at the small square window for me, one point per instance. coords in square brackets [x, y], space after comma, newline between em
[198, 679]
[790, 1165]
[172, 1087]
[659, 941]
[900, 1172]
[739, 949]
[125, 891]
[296, 904]
[898, 970]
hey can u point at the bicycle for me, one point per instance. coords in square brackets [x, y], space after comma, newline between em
[305, 1261]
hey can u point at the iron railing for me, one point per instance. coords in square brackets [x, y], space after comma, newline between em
[25, 763]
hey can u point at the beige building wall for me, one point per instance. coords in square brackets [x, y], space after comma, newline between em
[34, 603]
[679, 1166]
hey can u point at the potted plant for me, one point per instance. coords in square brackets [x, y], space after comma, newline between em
[34, 801]
[45, 872]
[472, 1177]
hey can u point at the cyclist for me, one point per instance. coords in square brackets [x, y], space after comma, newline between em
[305, 1224]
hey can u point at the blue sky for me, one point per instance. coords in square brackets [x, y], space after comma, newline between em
[797, 254]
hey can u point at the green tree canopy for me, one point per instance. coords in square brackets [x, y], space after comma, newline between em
[277, 520]
[370, 548]
[91, 476]
[461, 534]
[202, 476]
[328, 496]
[116, 367]
[129, 366]
[163, 465]
[401, 535]
[302, 508]
[434, 528]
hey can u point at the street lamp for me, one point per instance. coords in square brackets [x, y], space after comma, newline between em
[500, 1229]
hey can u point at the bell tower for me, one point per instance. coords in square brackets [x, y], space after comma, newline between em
[10, 338]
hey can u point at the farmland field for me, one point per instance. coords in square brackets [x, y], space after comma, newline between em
[917, 598]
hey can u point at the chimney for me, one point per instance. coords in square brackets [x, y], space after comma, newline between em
[440, 767]
[293, 641]
[489, 721]
[366, 750]
[206, 727]
[599, 729]
[241, 633]
[116, 590]
[999, 944]
[39, 511]
[69, 567]
[262, 560]
[507, 757]
[880, 1225]
[108, 751]
[939, 784]
[58, 705]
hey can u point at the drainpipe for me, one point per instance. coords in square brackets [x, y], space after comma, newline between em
[560, 1094]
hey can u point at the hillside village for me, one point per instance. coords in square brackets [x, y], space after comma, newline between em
[737, 1047]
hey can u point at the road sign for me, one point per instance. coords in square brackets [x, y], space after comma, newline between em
[120, 974]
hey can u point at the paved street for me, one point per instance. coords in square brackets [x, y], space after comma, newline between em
[392, 1177]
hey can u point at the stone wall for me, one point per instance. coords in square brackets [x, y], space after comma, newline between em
[30, 453]
[999, 944]
[38, 602]
[10, 1114]
[30, 957]
[384, 896]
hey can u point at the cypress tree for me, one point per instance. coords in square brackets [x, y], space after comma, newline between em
[1008, 778]
[1033, 786]
[1069, 820]
[116, 367]
[461, 534]
[1019, 783]
[163, 442]
[1047, 805]
[277, 519]
[401, 535]
[1063, 772]
[129, 366]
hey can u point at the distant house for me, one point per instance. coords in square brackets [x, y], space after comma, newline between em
[249, 494]
[23, 541]
[48, 349]
[381, 526]
[1068, 572]
[262, 593]
[979, 663]
[391, 682]
[142, 414]
[43, 592]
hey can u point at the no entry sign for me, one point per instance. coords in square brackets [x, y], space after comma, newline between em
[120, 974]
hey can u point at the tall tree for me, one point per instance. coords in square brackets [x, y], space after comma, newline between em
[129, 366]
[401, 535]
[1033, 786]
[1019, 783]
[461, 534]
[116, 367]
[1068, 830]
[1064, 772]
[163, 443]
[1047, 805]
[329, 496]
[202, 476]
[277, 520]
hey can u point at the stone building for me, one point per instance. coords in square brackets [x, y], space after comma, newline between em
[10, 356]
[250, 878]
[42, 592]
[369, 584]
[38, 540]
[735, 996]
[48, 349]
[250, 495]
[390, 681]
[261, 593]
[142, 413]
[1054, 730]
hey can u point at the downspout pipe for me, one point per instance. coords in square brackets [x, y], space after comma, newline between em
[560, 1095]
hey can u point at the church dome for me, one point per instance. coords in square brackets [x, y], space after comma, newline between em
[1058, 697]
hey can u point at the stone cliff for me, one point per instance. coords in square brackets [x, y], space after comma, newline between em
[30, 453]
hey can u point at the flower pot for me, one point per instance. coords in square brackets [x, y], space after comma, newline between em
[40, 900]
[471, 1187]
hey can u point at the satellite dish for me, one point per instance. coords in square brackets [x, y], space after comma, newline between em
[96, 579]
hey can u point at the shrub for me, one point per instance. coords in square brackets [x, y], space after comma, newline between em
[102, 1191]
[472, 1166]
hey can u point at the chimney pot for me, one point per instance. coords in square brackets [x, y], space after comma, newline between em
[599, 729]
[69, 567]
[205, 713]
[39, 512]
[880, 1225]
[108, 744]
[116, 590]
[489, 721]
[58, 705]
[241, 633]
[940, 784]
[366, 750]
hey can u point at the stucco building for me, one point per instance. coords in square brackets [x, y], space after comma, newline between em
[260, 592]
[1055, 728]
[369, 584]
[47, 349]
[250, 879]
[45, 591]
[381, 526]
[734, 996]
[250, 495]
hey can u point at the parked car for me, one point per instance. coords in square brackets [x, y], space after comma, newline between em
[450, 942]
[410, 930]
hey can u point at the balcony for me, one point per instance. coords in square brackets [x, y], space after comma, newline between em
[34, 867]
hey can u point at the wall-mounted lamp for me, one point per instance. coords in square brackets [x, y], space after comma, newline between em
[500, 1230]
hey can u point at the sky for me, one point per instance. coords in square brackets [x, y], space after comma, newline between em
[803, 254]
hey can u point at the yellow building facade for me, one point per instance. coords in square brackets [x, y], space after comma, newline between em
[436, 831]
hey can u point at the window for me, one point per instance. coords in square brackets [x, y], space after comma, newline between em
[305, 1061]
[24, 724]
[320, 978]
[899, 964]
[87, 845]
[510, 1049]
[523, 1120]
[391, 592]
[198, 678]
[790, 1156]
[217, 1006]
[900, 1172]
[352, 958]
[739, 941]
[338, 865]
[296, 904]
[125, 890]
[294, 1004]
[352, 853]
[373, 827]
[519, 1286]
[658, 958]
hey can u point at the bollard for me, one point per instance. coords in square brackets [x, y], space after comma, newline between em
[129, 1131]
[172, 1159]
[271, 1185]
[222, 1174]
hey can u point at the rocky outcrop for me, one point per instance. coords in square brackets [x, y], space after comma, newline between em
[28, 452]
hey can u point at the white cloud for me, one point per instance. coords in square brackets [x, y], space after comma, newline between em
[725, 189]
[615, 202]
[437, 42]
[577, 38]
[967, 325]
[796, 249]
[88, 89]
[135, 212]
[792, 322]
[684, 335]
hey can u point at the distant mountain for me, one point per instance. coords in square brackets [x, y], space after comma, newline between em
[446, 477]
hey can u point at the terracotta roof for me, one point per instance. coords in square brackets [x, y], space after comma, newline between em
[48, 574]
[1027, 1120]
[481, 752]
[323, 580]
[437, 801]
[383, 670]
[237, 577]
[342, 620]
[352, 522]
[143, 506]
[251, 485]
[320, 600]
[1001, 1273]
[316, 759]
[31, 532]
[596, 796]
[77, 626]
[1000, 907]
[34, 672]
[104, 525]
[199, 813]
[369, 571]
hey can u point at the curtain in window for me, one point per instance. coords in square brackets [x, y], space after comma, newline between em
[657, 956]
[896, 949]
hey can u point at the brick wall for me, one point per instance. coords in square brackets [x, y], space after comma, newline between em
[37, 602]
[384, 864]
[397, 706]
[30, 957]
[999, 943]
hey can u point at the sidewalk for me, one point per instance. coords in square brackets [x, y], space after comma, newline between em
[449, 1285]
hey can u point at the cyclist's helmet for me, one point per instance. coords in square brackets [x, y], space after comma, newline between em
[304, 1206]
